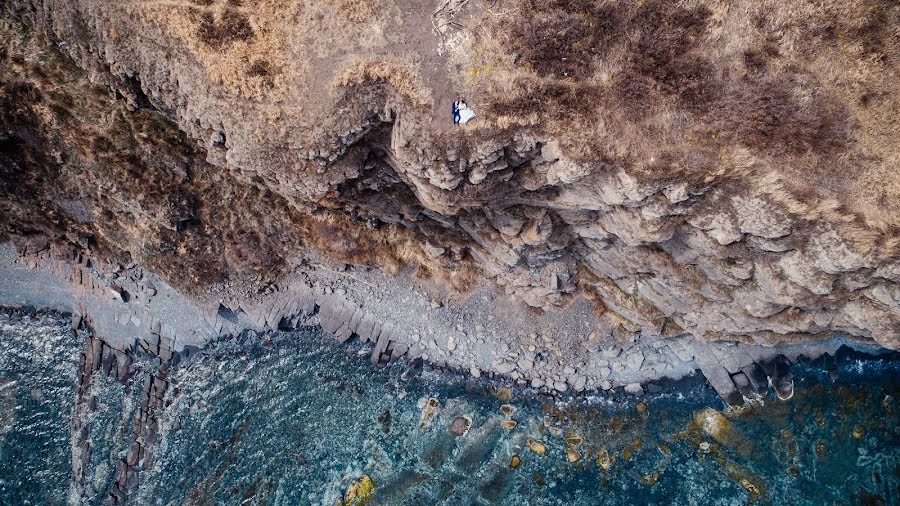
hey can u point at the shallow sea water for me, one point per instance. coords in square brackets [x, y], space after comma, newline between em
[289, 418]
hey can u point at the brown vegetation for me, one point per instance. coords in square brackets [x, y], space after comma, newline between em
[232, 26]
[650, 86]
[161, 203]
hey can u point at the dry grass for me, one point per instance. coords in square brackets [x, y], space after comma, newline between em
[401, 76]
[358, 11]
[232, 26]
[672, 90]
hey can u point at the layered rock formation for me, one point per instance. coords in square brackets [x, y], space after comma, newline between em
[725, 171]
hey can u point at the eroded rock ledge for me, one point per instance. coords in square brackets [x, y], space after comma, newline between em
[629, 177]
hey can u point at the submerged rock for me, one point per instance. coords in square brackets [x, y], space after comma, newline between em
[429, 409]
[536, 446]
[715, 425]
[460, 425]
[605, 460]
[360, 492]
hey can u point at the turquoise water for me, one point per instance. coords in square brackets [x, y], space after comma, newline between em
[289, 418]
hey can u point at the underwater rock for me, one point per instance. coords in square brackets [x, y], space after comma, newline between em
[479, 445]
[397, 487]
[360, 491]
[573, 439]
[413, 369]
[460, 425]
[715, 425]
[536, 446]
[650, 479]
[780, 377]
[605, 460]
[430, 408]
[509, 424]
[749, 481]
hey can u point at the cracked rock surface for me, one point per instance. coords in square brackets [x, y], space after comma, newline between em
[652, 173]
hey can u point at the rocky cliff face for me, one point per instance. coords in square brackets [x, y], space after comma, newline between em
[723, 170]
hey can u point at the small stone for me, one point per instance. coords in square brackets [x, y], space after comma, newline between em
[536, 446]
[515, 461]
[634, 389]
[532, 348]
[460, 426]
[612, 352]
[572, 456]
[664, 449]
[505, 367]
[509, 424]
[580, 383]
[604, 460]
[360, 491]
[429, 409]
[641, 408]
[821, 450]
[606, 385]
[475, 372]
[503, 393]
[537, 383]
[858, 433]
[650, 479]
[705, 446]
[560, 386]
[573, 439]
[618, 367]
[569, 370]
[604, 372]
[525, 364]
[635, 361]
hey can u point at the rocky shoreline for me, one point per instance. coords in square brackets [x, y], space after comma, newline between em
[129, 307]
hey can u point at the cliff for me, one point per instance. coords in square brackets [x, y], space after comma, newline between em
[720, 170]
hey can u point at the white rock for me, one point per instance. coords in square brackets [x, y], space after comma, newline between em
[505, 367]
[560, 386]
[635, 361]
[537, 383]
[579, 383]
[605, 385]
[612, 352]
[604, 371]
[525, 364]
[634, 389]
[474, 371]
